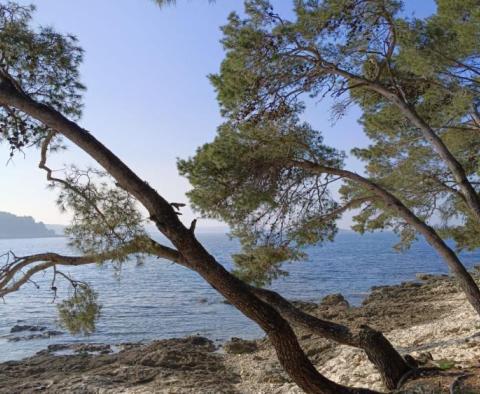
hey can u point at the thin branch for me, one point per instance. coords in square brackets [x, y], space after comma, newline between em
[43, 165]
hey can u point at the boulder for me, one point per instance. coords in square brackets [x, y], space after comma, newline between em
[240, 346]
[336, 300]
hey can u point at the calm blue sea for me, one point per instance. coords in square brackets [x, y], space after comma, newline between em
[162, 300]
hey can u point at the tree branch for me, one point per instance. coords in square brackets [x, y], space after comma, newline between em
[353, 203]
[43, 261]
[466, 281]
[43, 165]
[471, 196]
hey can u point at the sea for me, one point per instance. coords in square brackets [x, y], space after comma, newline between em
[159, 299]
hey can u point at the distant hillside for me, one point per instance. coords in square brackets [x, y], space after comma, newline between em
[59, 229]
[12, 226]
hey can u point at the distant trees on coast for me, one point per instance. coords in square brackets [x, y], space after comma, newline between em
[267, 173]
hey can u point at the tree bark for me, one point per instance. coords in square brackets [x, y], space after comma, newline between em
[472, 198]
[288, 350]
[391, 365]
[463, 277]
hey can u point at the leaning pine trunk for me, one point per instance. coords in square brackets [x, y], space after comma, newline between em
[391, 365]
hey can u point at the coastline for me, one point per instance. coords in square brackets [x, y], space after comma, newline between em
[35, 237]
[428, 319]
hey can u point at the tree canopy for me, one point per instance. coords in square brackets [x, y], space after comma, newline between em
[267, 173]
[41, 63]
[245, 177]
[416, 82]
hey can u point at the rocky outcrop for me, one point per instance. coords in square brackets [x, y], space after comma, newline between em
[171, 365]
[43, 335]
[240, 346]
[25, 332]
[20, 328]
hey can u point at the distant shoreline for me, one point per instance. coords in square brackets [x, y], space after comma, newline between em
[25, 227]
[34, 237]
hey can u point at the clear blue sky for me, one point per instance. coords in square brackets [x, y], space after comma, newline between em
[148, 96]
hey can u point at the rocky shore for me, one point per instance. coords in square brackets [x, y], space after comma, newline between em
[428, 319]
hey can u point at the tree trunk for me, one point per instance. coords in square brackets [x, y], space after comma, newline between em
[289, 352]
[391, 365]
[465, 280]
[472, 198]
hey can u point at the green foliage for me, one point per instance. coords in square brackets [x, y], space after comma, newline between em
[245, 177]
[270, 62]
[341, 48]
[260, 264]
[105, 217]
[436, 66]
[43, 64]
[79, 313]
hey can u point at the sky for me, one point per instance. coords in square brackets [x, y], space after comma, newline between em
[148, 97]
